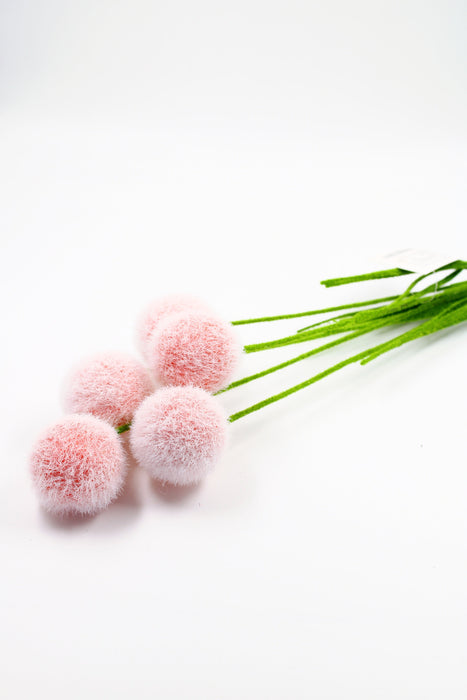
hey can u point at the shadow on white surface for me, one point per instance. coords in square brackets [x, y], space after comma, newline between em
[64, 522]
[121, 513]
[171, 493]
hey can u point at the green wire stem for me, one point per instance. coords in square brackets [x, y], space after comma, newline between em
[287, 363]
[314, 312]
[457, 266]
[394, 272]
[443, 305]
[408, 295]
[378, 275]
[397, 314]
[457, 313]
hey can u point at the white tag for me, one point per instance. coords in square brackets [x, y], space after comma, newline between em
[420, 261]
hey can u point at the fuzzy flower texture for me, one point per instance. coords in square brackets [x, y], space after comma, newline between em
[78, 465]
[178, 430]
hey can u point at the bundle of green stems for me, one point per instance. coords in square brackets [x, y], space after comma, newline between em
[434, 307]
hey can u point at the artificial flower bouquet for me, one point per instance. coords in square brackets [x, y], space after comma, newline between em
[168, 401]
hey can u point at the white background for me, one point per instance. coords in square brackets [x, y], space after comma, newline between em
[241, 151]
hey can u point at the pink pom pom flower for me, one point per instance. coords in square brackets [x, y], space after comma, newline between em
[194, 349]
[110, 386]
[178, 434]
[78, 466]
[159, 310]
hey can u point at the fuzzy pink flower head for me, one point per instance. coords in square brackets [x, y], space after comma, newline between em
[78, 466]
[110, 386]
[159, 310]
[194, 349]
[178, 434]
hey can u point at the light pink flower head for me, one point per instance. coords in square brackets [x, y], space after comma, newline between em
[110, 386]
[194, 349]
[78, 465]
[159, 310]
[178, 434]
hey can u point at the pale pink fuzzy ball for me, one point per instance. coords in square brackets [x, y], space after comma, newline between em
[178, 434]
[195, 349]
[78, 465]
[110, 386]
[157, 311]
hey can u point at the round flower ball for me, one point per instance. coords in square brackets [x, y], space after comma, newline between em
[178, 434]
[78, 466]
[110, 386]
[195, 349]
[157, 311]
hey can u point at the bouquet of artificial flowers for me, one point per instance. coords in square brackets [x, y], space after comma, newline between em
[168, 401]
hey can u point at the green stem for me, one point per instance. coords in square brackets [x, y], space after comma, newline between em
[380, 274]
[330, 321]
[287, 363]
[323, 332]
[435, 286]
[457, 313]
[404, 300]
[315, 312]
[394, 272]
[456, 265]
[374, 326]
[459, 265]
[411, 308]
[123, 428]
[297, 387]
